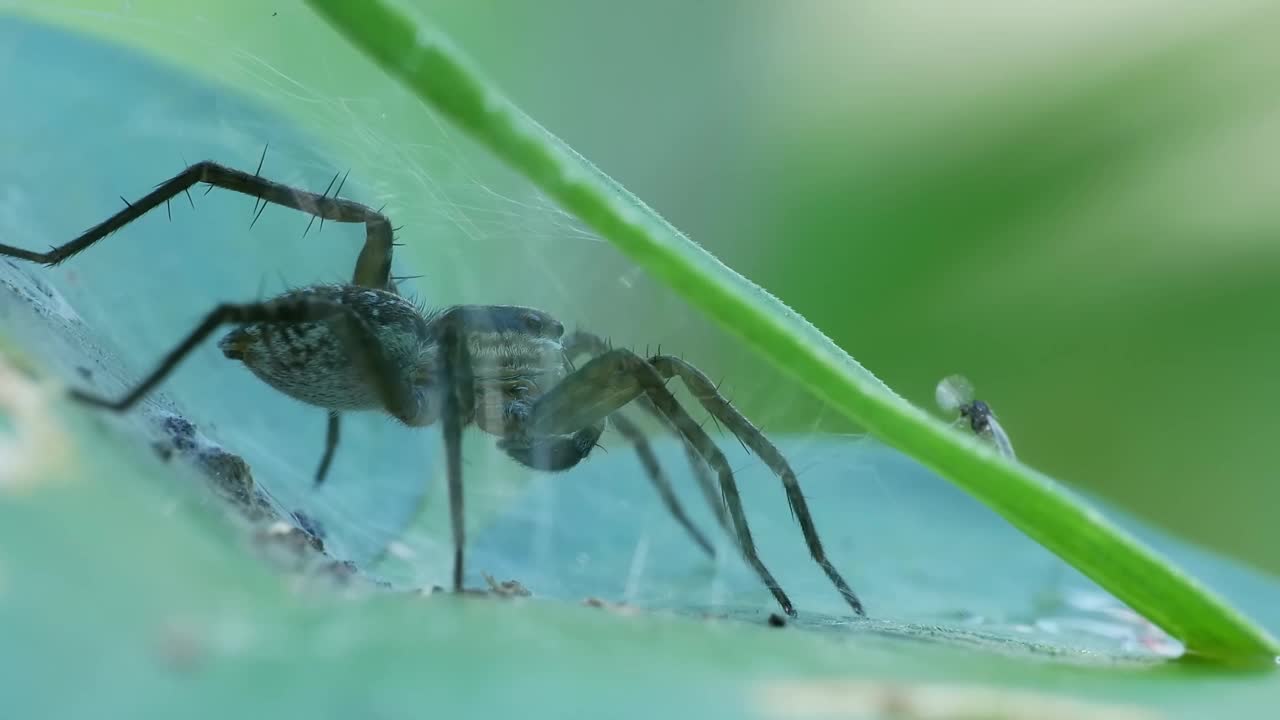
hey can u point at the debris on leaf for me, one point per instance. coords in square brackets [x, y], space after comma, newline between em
[228, 473]
[837, 700]
[506, 588]
[342, 571]
[310, 526]
[286, 535]
[33, 445]
[400, 551]
[288, 547]
[616, 608]
[181, 646]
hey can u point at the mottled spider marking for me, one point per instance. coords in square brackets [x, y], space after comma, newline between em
[315, 362]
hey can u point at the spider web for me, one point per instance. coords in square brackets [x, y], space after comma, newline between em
[476, 233]
[494, 238]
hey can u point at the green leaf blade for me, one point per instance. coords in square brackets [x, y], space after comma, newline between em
[423, 60]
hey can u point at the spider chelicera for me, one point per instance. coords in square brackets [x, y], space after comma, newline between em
[506, 369]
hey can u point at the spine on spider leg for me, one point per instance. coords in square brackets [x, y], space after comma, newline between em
[132, 211]
[373, 265]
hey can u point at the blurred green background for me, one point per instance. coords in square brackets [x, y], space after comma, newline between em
[1071, 203]
[1067, 203]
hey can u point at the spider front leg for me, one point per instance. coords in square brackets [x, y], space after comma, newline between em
[611, 380]
[372, 267]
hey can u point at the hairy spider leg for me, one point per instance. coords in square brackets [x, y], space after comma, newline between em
[586, 343]
[705, 392]
[611, 380]
[653, 469]
[373, 265]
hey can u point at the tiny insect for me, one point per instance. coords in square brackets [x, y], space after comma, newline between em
[955, 394]
[507, 370]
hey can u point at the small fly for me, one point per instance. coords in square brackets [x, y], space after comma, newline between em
[955, 394]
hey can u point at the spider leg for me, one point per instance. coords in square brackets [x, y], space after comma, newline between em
[288, 310]
[653, 469]
[458, 407]
[580, 342]
[585, 343]
[611, 380]
[697, 465]
[330, 445]
[373, 266]
[705, 391]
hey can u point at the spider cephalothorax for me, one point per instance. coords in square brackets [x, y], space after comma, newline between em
[506, 369]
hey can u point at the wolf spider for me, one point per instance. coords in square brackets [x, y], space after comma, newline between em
[506, 369]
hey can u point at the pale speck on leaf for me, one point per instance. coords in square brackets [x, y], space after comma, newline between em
[924, 701]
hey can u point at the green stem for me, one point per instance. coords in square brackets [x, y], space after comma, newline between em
[416, 54]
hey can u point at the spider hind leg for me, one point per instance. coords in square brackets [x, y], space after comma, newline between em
[581, 342]
[611, 380]
[704, 390]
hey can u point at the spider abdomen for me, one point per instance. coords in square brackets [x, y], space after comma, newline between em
[303, 361]
[319, 363]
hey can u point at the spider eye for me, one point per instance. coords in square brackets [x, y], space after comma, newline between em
[533, 322]
[543, 325]
[520, 389]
